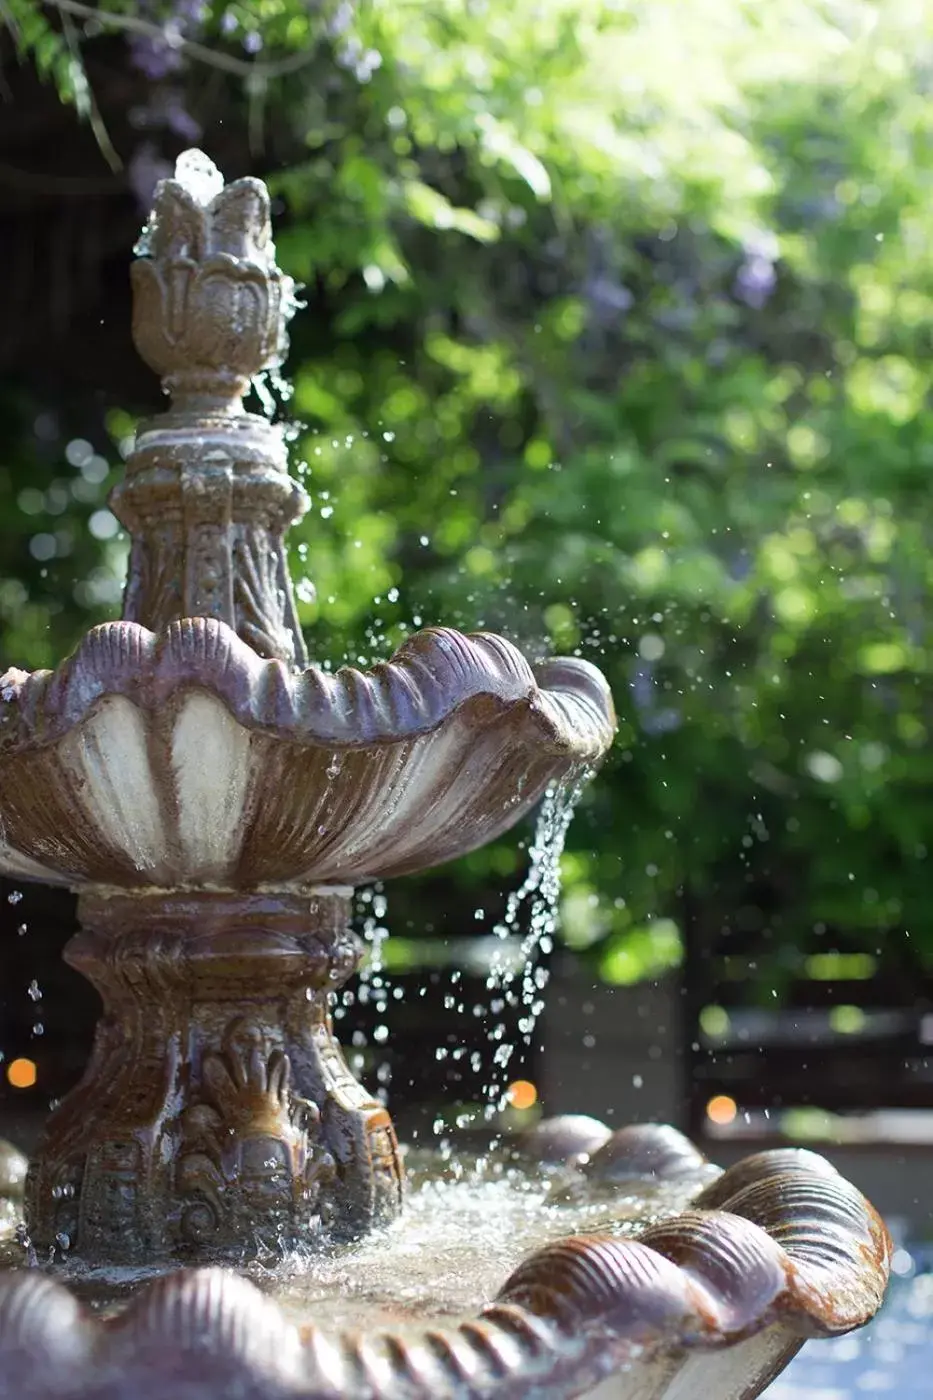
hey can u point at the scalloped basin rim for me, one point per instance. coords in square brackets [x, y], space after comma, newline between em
[429, 678]
[774, 1250]
[185, 759]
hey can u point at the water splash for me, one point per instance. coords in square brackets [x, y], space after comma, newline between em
[199, 176]
[273, 391]
[372, 988]
[267, 401]
[467, 1224]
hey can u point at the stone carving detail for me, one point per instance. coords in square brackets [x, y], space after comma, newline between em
[173, 769]
[153, 571]
[260, 592]
[210, 305]
[207, 496]
[217, 1113]
[252, 1151]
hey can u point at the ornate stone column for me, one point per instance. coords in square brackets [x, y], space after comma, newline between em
[217, 1116]
[207, 496]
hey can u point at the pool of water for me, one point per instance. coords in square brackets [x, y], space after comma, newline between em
[468, 1223]
[893, 1356]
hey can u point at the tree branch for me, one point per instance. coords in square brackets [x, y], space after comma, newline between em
[101, 134]
[250, 69]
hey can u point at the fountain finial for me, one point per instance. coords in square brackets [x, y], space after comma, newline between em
[208, 497]
[210, 304]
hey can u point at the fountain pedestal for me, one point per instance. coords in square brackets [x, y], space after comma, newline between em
[217, 1114]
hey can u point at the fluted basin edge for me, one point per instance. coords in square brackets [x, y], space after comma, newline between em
[185, 760]
[778, 1249]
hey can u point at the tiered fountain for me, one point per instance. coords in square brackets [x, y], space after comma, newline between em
[214, 800]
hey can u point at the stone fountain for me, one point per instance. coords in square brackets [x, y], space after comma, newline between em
[214, 800]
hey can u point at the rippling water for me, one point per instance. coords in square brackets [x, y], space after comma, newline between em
[467, 1224]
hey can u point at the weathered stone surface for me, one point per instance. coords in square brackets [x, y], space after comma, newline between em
[207, 496]
[217, 1115]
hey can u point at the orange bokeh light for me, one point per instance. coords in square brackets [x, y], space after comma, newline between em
[21, 1073]
[522, 1094]
[721, 1110]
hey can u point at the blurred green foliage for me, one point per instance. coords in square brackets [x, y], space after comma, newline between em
[618, 342]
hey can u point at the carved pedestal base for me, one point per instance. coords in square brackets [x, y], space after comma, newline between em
[217, 1114]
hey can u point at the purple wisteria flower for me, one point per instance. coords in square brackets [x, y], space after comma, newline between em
[145, 169]
[157, 56]
[756, 279]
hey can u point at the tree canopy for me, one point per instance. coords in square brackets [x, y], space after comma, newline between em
[617, 341]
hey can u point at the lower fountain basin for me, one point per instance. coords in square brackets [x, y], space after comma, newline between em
[634, 1270]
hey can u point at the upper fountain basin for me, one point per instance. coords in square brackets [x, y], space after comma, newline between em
[185, 760]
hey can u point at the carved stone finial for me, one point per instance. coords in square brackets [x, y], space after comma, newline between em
[210, 305]
[207, 496]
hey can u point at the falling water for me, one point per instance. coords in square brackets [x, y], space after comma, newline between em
[515, 976]
[520, 982]
[372, 986]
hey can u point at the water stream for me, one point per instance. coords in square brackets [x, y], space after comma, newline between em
[520, 982]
